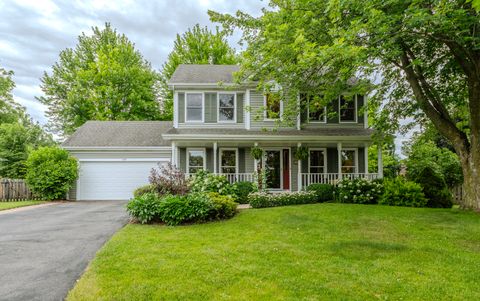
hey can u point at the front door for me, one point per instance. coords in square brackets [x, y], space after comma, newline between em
[277, 169]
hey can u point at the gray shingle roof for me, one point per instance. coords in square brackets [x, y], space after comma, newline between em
[119, 134]
[203, 74]
[327, 131]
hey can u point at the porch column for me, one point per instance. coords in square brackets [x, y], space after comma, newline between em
[174, 153]
[255, 161]
[365, 152]
[299, 180]
[380, 160]
[339, 150]
[215, 157]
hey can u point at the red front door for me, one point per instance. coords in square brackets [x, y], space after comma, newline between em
[286, 169]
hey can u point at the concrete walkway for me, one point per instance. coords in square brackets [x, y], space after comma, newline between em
[44, 250]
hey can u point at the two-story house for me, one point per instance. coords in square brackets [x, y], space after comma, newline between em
[216, 123]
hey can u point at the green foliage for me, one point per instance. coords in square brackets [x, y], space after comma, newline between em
[175, 210]
[434, 188]
[324, 192]
[264, 199]
[401, 192]
[168, 179]
[196, 46]
[301, 153]
[144, 207]
[391, 162]
[242, 190]
[103, 78]
[10, 111]
[149, 188]
[51, 172]
[223, 206]
[359, 191]
[204, 181]
[422, 154]
[256, 153]
[16, 141]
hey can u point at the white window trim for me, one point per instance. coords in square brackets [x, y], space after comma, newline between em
[265, 110]
[203, 107]
[221, 155]
[356, 159]
[324, 114]
[355, 114]
[234, 107]
[325, 167]
[204, 150]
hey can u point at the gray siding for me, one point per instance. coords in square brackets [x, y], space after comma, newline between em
[72, 193]
[211, 108]
[181, 107]
[209, 155]
[240, 107]
[249, 161]
[183, 159]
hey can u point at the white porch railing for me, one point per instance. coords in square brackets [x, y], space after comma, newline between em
[233, 177]
[333, 178]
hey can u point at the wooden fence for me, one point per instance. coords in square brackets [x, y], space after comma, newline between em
[14, 190]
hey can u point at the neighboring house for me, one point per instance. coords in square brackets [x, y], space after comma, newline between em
[216, 124]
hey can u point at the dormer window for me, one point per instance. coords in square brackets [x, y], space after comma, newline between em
[272, 105]
[194, 107]
[226, 107]
[348, 109]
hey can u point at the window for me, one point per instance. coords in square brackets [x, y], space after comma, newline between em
[226, 107]
[348, 110]
[228, 161]
[194, 107]
[317, 161]
[195, 160]
[272, 106]
[317, 112]
[349, 161]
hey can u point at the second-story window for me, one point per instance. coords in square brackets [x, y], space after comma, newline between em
[272, 106]
[348, 110]
[194, 107]
[226, 107]
[317, 112]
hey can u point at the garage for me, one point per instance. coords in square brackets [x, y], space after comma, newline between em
[112, 180]
[116, 157]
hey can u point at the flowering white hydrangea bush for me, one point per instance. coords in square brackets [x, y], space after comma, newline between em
[359, 191]
[203, 181]
[265, 199]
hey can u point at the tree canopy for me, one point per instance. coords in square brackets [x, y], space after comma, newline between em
[196, 46]
[418, 59]
[103, 78]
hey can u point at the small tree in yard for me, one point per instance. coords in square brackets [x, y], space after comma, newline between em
[51, 172]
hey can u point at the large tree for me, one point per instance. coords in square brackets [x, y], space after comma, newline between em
[10, 111]
[103, 78]
[424, 56]
[195, 46]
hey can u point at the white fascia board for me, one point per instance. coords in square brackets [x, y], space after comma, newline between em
[266, 138]
[116, 148]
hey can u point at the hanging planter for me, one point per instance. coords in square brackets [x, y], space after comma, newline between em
[256, 153]
[301, 153]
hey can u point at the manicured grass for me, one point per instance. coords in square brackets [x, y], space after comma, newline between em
[10, 205]
[309, 252]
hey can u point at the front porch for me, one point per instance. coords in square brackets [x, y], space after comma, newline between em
[327, 162]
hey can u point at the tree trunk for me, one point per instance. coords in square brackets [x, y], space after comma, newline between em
[471, 183]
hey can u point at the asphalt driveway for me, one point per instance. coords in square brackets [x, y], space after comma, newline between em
[44, 250]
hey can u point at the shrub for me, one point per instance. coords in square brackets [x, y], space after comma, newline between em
[51, 172]
[169, 180]
[359, 191]
[434, 188]
[177, 209]
[401, 192]
[263, 199]
[324, 192]
[145, 208]
[242, 190]
[223, 206]
[144, 189]
[203, 181]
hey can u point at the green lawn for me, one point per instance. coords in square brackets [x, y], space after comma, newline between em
[309, 252]
[10, 205]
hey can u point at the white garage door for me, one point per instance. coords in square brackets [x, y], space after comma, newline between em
[114, 180]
